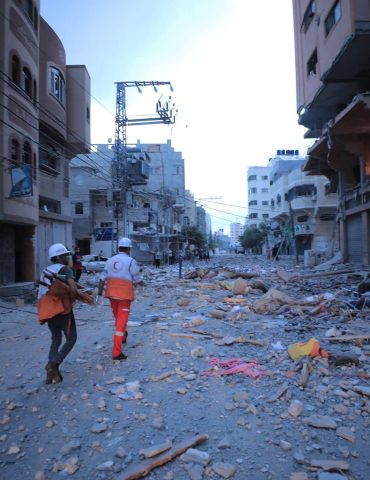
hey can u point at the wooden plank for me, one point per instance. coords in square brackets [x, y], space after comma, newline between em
[145, 467]
[348, 338]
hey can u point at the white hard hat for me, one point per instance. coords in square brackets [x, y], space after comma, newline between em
[125, 242]
[57, 249]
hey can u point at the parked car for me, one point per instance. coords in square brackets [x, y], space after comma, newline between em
[93, 263]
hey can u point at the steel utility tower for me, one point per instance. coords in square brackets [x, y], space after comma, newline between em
[166, 115]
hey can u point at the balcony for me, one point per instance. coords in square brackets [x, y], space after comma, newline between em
[303, 202]
[139, 215]
[346, 76]
[137, 171]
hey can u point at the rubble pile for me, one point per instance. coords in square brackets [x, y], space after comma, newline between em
[242, 368]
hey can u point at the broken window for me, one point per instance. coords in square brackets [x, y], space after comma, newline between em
[312, 64]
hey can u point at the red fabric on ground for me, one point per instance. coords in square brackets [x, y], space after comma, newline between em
[232, 366]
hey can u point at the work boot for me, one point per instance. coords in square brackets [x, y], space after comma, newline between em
[52, 373]
[120, 357]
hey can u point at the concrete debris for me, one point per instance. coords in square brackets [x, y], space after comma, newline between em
[273, 363]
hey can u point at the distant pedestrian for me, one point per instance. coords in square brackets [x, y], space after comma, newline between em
[77, 264]
[120, 274]
[55, 308]
[157, 259]
[171, 258]
[275, 251]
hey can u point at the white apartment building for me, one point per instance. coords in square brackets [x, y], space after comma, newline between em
[236, 231]
[302, 209]
[258, 196]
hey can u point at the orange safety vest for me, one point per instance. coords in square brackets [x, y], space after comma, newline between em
[57, 301]
[119, 289]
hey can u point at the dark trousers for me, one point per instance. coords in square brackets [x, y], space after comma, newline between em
[57, 325]
[77, 275]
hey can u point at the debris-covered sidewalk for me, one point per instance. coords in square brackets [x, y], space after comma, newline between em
[243, 368]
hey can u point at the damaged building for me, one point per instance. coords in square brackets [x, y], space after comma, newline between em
[332, 40]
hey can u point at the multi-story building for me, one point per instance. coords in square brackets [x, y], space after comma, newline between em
[332, 39]
[155, 202]
[190, 215]
[221, 240]
[236, 231]
[302, 207]
[64, 131]
[19, 137]
[258, 196]
[35, 116]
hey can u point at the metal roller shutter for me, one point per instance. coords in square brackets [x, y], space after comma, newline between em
[354, 238]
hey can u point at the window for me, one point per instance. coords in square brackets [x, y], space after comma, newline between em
[252, 202]
[49, 205]
[27, 154]
[146, 205]
[34, 91]
[312, 64]
[333, 17]
[265, 202]
[253, 215]
[302, 218]
[88, 114]
[48, 160]
[265, 177]
[56, 84]
[278, 199]
[265, 215]
[27, 81]
[16, 70]
[308, 15]
[35, 19]
[28, 8]
[14, 152]
[252, 177]
[252, 190]
[265, 190]
[34, 166]
[79, 208]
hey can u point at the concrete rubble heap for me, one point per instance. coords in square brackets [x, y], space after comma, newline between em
[210, 388]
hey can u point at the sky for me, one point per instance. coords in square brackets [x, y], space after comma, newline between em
[232, 67]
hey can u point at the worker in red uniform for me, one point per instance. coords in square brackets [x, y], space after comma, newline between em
[120, 275]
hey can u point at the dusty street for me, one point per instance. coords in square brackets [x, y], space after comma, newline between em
[207, 362]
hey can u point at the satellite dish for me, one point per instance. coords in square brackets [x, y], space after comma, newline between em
[109, 140]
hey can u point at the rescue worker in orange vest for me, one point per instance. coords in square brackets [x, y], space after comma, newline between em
[120, 275]
[56, 309]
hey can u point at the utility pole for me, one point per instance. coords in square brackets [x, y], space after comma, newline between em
[165, 114]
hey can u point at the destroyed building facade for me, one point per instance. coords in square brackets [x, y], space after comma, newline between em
[332, 43]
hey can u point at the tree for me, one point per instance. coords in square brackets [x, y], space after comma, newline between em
[193, 236]
[253, 238]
